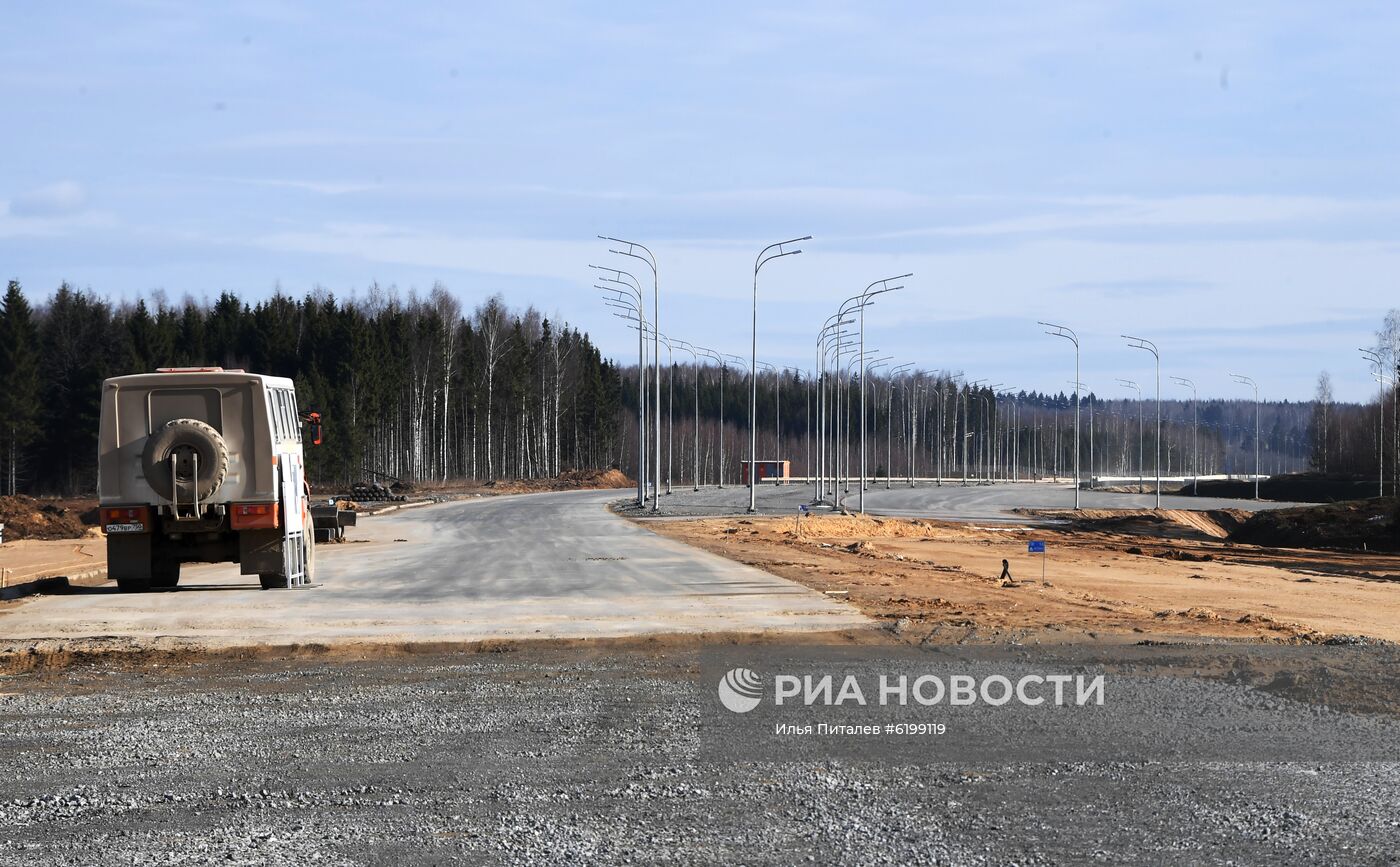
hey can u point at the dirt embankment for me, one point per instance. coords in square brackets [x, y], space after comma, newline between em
[569, 480]
[1164, 523]
[1120, 576]
[31, 518]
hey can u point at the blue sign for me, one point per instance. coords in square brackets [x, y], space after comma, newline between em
[1035, 547]
[802, 508]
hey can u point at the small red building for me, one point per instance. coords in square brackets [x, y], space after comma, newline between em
[775, 470]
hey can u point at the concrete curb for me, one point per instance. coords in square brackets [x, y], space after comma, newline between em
[413, 505]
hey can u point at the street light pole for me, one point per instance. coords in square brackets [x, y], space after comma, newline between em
[650, 260]
[695, 359]
[639, 309]
[670, 409]
[860, 361]
[763, 258]
[719, 462]
[865, 298]
[1379, 374]
[831, 463]
[1091, 434]
[967, 429]
[834, 321]
[1068, 334]
[1244, 380]
[1149, 346]
[1195, 434]
[889, 425]
[938, 443]
[1128, 383]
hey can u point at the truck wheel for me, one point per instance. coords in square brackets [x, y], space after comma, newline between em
[133, 585]
[309, 576]
[165, 574]
[201, 459]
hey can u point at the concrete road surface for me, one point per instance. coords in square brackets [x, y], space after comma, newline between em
[555, 565]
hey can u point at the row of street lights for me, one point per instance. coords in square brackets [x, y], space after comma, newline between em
[833, 340]
[631, 299]
[1146, 345]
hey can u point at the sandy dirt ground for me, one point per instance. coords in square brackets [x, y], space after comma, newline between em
[29, 559]
[1139, 577]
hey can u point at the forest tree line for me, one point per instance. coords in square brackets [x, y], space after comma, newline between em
[409, 387]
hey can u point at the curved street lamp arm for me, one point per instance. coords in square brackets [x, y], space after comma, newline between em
[1061, 331]
[636, 284]
[867, 293]
[1141, 343]
[764, 258]
[632, 247]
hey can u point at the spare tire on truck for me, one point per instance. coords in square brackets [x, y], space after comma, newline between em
[201, 460]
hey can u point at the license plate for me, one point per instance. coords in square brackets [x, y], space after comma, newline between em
[126, 528]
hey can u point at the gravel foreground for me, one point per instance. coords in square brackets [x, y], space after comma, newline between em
[549, 755]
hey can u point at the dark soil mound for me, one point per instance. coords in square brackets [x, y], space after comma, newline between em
[1292, 488]
[1372, 525]
[28, 518]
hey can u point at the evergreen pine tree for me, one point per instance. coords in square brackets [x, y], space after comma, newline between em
[19, 385]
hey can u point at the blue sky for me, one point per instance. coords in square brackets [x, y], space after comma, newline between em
[1219, 178]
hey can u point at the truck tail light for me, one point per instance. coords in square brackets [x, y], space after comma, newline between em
[126, 519]
[254, 516]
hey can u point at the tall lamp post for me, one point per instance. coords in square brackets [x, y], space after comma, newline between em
[869, 293]
[1244, 380]
[729, 356]
[857, 365]
[835, 321]
[942, 398]
[967, 429]
[1149, 346]
[1128, 383]
[849, 306]
[695, 359]
[765, 256]
[670, 407]
[889, 426]
[831, 363]
[1068, 334]
[1091, 434]
[1195, 434]
[988, 438]
[636, 307]
[650, 260]
[1379, 374]
[1002, 455]
[719, 457]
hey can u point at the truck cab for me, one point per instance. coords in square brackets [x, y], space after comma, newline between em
[204, 465]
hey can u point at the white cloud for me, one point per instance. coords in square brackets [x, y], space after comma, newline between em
[62, 199]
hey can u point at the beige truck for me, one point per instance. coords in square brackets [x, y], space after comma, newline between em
[204, 465]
